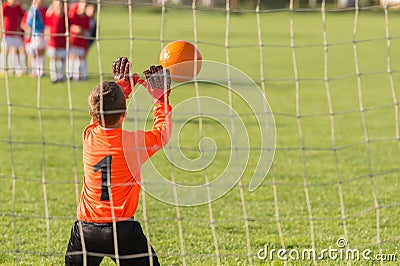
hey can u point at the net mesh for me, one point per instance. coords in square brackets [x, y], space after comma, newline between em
[331, 78]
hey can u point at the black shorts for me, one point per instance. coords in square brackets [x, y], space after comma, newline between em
[99, 242]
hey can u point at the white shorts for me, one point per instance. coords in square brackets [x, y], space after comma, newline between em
[38, 42]
[79, 51]
[11, 41]
[56, 52]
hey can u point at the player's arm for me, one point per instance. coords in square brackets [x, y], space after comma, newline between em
[47, 23]
[50, 10]
[47, 29]
[23, 24]
[158, 84]
[20, 18]
[25, 27]
[1, 20]
[160, 133]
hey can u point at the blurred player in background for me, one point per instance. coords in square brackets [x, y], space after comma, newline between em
[30, 52]
[79, 24]
[91, 32]
[11, 42]
[114, 156]
[36, 23]
[27, 41]
[56, 40]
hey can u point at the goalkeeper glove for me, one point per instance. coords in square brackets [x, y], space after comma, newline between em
[157, 83]
[121, 68]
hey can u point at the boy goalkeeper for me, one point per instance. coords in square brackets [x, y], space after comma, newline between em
[112, 159]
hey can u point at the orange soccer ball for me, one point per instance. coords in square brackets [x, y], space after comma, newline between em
[182, 59]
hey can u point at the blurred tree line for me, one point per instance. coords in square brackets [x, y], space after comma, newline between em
[275, 4]
[234, 4]
[271, 4]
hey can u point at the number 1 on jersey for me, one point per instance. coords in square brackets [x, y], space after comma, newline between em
[105, 166]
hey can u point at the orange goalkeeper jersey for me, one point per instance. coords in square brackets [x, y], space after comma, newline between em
[115, 156]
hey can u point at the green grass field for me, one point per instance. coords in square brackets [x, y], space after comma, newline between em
[46, 142]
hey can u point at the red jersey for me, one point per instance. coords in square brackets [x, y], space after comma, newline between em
[118, 154]
[78, 37]
[56, 24]
[12, 18]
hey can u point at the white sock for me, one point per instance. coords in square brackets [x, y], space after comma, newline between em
[14, 64]
[35, 70]
[69, 67]
[83, 69]
[53, 69]
[75, 72]
[59, 64]
[2, 61]
[41, 65]
[10, 62]
[22, 62]
[62, 67]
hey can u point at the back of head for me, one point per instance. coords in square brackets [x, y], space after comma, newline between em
[107, 103]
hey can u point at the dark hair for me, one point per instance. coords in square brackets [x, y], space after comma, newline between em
[114, 103]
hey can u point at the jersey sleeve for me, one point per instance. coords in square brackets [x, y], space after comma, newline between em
[2, 15]
[159, 135]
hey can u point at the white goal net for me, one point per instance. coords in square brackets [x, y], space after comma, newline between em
[285, 149]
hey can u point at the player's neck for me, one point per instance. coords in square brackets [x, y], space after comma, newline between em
[111, 127]
[116, 125]
[108, 128]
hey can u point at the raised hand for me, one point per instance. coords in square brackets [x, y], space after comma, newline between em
[120, 69]
[157, 83]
